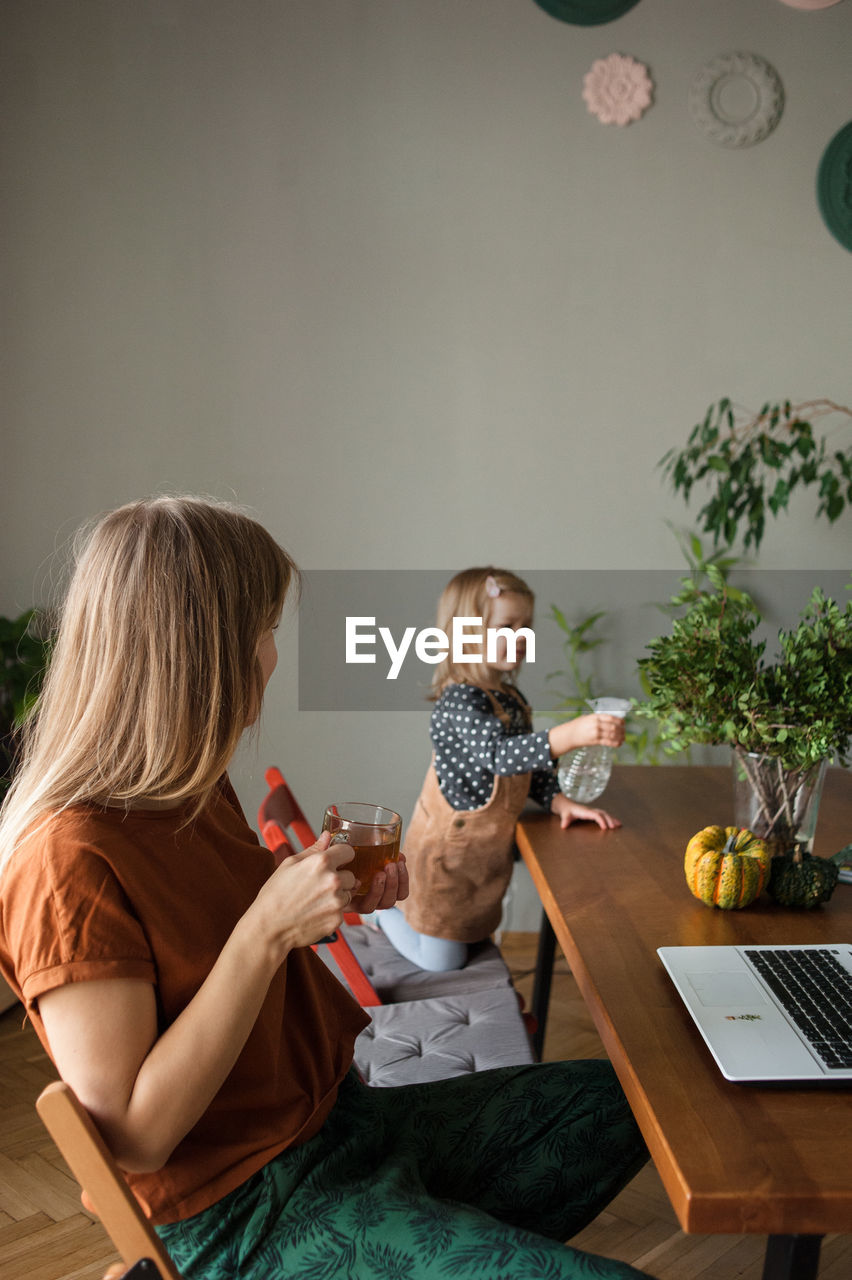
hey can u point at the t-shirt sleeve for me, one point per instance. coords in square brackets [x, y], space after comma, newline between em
[67, 919]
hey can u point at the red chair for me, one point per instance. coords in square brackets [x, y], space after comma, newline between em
[279, 818]
[280, 815]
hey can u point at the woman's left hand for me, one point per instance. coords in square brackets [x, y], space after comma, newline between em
[389, 886]
[569, 811]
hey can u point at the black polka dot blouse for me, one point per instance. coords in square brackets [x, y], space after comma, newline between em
[472, 744]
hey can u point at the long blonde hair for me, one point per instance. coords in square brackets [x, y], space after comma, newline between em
[471, 594]
[154, 672]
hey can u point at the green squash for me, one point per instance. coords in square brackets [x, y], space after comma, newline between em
[803, 883]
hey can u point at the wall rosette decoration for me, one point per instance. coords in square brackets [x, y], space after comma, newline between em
[586, 13]
[834, 186]
[810, 4]
[736, 99]
[617, 89]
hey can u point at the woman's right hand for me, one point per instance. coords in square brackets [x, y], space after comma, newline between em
[305, 897]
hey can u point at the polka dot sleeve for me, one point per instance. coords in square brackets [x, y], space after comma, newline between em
[544, 785]
[471, 745]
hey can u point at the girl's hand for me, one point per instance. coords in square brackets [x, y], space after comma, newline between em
[598, 730]
[586, 731]
[569, 811]
[389, 886]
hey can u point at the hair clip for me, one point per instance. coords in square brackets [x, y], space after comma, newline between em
[492, 587]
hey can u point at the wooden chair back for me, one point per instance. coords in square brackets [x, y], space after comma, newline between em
[89, 1159]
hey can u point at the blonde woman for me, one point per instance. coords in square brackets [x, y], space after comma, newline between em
[486, 761]
[166, 966]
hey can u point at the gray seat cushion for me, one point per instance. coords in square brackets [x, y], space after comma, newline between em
[396, 979]
[421, 1040]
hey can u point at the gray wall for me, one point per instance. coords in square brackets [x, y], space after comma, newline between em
[370, 267]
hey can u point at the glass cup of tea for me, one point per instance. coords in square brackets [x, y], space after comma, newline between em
[372, 831]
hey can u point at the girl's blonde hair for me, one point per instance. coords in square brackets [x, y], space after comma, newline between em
[154, 672]
[471, 594]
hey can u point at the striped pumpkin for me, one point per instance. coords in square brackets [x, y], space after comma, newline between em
[726, 866]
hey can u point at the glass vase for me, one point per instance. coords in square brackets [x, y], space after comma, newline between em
[779, 805]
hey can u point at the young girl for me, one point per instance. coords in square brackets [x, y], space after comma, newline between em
[486, 760]
[166, 964]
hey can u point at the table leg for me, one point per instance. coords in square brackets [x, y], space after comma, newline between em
[792, 1258]
[541, 984]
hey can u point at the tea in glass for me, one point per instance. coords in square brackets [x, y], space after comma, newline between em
[372, 831]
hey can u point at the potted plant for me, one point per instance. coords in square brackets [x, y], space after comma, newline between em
[23, 653]
[708, 682]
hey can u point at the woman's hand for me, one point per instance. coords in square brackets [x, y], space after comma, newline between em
[389, 886]
[327, 886]
[586, 731]
[569, 811]
[305, 897]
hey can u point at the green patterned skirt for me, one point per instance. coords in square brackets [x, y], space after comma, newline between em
[480, 1177]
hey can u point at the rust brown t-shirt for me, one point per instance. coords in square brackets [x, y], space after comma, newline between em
[99, 893]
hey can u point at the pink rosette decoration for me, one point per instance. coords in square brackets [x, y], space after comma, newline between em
[617, 89]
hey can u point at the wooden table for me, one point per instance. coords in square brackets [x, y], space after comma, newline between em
[733, 1158]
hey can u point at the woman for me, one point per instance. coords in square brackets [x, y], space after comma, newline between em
[166, 963]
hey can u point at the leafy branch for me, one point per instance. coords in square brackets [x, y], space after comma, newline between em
[708, 682]
[754, 461]
[643, 741]
[700, 563]
[577, 642]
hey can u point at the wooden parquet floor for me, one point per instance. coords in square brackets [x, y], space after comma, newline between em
[45, 1234]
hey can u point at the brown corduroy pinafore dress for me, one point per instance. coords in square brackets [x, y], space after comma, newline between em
[460, 860]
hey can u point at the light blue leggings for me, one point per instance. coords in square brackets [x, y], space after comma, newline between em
[438, 955]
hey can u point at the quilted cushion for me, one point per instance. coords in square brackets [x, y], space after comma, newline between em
[420, 1040]
[396, 979]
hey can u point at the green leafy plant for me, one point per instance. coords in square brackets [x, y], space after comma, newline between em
[700, 562]
[23, 654]
[578, 641]
[708, 682]
[642, 741]
[754, 461]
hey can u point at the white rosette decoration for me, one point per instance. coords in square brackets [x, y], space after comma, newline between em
[617, 89]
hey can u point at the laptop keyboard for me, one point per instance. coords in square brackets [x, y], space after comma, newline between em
[816, 992]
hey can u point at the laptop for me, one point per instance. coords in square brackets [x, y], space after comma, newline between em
[770, 1014]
